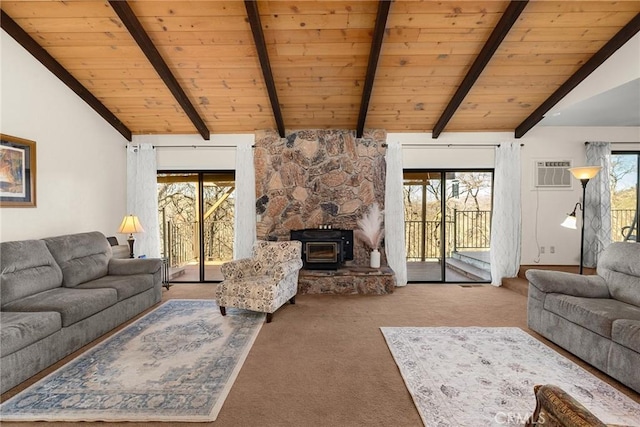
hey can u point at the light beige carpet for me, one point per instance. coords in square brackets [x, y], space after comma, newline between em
[323, 361]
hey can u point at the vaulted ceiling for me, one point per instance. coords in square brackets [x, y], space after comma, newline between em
[179, 67]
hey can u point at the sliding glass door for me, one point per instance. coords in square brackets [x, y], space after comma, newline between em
[196, 212]
[447, 225]
[625, 196]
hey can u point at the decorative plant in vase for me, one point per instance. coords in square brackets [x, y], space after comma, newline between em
[371, 232]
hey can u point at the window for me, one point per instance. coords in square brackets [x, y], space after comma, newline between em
[448, 225]
[196, 212]
[624, 175]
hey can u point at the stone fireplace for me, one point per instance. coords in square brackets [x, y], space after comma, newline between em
[318, 178]
[323, 180]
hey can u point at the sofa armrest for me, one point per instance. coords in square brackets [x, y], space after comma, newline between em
[561, 282]
[125, 267]
[284, 269]
[238, 268]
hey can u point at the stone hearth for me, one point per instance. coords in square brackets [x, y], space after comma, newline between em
[346, 281]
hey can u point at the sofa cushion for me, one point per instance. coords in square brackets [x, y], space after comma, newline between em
[626, 332]
[26, 268]
[72, 304]
[125, 286]
[619, 265]
[82, 257]
[20, 330]
[595, 314]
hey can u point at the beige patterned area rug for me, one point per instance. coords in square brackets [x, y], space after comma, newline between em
[177, 363]
[485, 376]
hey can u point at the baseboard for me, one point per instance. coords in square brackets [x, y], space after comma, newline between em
[565, 268]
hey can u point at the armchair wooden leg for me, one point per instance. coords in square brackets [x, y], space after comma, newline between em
[293, 300]
[269, 317]
[223, 311]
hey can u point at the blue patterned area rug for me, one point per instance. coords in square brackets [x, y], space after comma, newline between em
[485, 376]
[177, 363]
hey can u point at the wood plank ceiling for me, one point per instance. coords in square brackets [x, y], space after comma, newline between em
[243, 66]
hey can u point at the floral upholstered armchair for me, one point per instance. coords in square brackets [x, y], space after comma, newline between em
[263, 282]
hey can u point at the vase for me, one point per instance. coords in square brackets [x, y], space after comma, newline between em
[374, 261]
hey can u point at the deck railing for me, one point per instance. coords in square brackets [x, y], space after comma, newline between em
[621, 218]
[180, 241]
[465, 230]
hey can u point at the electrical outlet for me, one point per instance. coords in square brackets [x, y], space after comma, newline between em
[552, 249]
[541, 249]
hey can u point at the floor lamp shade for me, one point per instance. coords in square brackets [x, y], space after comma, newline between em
[130, 224]
[585, 172]
[570, 222]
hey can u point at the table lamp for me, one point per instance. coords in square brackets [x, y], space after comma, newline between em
[130, 224]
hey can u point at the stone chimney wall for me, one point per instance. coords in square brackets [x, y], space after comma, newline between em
[314, 178]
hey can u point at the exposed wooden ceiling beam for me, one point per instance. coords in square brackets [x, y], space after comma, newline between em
[38, 52]
[509, 17]
[132, 23]
[374, 55]
[623, 36]
[258, 38]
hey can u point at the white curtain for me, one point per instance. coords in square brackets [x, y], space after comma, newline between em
[394, 214]
[506, 221]
[245, 215]
[597, 206]
[142, 197]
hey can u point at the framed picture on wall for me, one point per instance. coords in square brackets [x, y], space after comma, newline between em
[17, 172]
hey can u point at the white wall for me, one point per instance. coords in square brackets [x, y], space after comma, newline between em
[191, 152]
[620, 68]
[543, 211]
[81, 167]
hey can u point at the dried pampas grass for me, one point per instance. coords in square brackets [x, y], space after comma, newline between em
[371, 231]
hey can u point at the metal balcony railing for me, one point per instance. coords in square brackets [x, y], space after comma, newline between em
[621, 218]
[464, 230]
[180, 242]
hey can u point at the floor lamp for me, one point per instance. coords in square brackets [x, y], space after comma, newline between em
[584, 174]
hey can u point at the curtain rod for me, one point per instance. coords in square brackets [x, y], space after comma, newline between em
[452, 145]
[617, 143]
[192, 146]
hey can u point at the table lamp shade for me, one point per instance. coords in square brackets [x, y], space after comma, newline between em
[130, 224]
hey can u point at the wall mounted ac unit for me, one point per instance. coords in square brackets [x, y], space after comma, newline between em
[552, 174]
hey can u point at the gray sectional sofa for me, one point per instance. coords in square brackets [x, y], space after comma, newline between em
[595, 317]
[60, 293]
